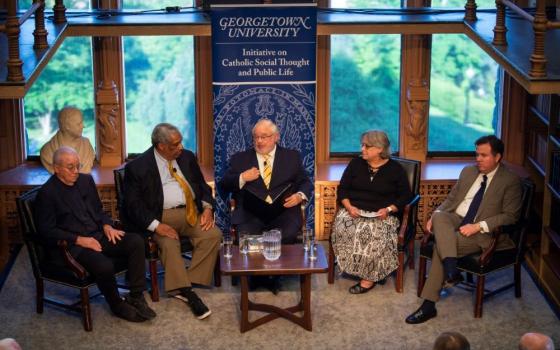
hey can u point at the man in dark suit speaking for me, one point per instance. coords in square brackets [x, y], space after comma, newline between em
[68, 208]
[487, 195]
[268, 184]
[165, 192]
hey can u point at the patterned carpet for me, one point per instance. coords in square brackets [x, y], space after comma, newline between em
[374, 320]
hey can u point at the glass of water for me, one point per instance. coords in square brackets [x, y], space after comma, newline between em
[244, 242]
[312, 250]
[307, 238]
[228, 245]
[272, 244]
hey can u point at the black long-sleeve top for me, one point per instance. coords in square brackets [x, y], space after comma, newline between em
[389, 186]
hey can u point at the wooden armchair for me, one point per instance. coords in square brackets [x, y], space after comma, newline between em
[407, 230]
[490, 260]
[54, 263]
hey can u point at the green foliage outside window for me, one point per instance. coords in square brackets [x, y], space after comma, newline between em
[462, 94]
[159, 80]
[365, 76]
[66, 81]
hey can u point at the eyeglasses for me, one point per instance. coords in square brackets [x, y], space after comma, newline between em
[262, 138]
[72, 167]
[366, 146]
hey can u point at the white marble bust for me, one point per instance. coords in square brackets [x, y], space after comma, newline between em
[70, 127]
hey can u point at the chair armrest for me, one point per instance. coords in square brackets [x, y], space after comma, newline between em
[488, 253]
[405, 217]
[78, 269]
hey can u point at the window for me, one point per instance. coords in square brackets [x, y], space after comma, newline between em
[365, 78]
[159, 82]
[464, 81]
[461, 3]
[66, 81]
[365, 3]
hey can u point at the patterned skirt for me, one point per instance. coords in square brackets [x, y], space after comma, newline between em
[365, 247]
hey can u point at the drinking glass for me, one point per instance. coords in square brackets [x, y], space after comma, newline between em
[228, 244]
[312, 250]
[244, 242]
[307, 237]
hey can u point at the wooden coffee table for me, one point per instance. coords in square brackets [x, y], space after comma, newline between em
[293, 261]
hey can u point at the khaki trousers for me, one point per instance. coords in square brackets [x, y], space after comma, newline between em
[449, 244]
[206, 245]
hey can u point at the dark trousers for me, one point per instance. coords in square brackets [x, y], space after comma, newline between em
[101, 266]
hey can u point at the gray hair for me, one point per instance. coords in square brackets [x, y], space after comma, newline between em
[162, 132]
[67, 113]
[266, 122]
[62, 151]
[377, 138]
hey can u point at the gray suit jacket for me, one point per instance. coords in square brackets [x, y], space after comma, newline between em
[501, 204]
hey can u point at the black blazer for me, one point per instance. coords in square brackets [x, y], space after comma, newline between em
[143, 190]
[55, 217]
[286, 169]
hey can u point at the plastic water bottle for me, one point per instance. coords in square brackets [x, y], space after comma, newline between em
[272, 244]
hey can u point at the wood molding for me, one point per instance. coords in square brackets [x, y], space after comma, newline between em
[514, 119]
[204, 100]
[415, 96]
[12, 133]
[322, 106]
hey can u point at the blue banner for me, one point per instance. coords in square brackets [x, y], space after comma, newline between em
[263, 67]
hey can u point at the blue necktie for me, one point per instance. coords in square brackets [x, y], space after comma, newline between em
[475, 204]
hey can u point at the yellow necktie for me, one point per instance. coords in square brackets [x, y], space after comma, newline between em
[190, 210]
[267, 174]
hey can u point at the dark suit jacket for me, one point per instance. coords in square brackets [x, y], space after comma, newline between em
[55, 217]
[143, 191]
[286, 169]
[501, 204]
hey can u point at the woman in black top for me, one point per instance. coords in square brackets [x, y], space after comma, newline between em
[372, 188]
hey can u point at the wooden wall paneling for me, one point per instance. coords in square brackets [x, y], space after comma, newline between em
[415, 96]
[322, 107]
[204, 100]
[12, 133]
[108, 80]
[514, 118]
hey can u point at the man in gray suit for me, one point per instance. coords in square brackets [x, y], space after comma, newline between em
[487, 195]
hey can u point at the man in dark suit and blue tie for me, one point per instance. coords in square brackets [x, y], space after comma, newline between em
[268, 184]
[68, 208]
[487, 195]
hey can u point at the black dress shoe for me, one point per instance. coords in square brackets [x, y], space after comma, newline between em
[421, 316]
[127, 312]
[358, 289]
[141, 306]
[452, 281]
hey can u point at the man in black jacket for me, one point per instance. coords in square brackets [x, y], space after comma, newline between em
[165, 192]
[68, 208]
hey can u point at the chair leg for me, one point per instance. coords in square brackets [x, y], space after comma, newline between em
[154, 292]
[411, 254]
[400, 273]
[421, 275]
[40, 295]
[217, 273]
[517, 279]
[479, 296]
[330, 273]
[86, 312]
